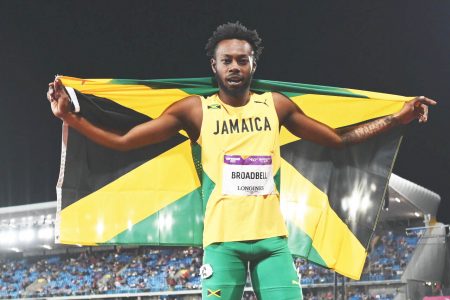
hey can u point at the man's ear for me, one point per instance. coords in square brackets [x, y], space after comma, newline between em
[254, 67]
[213, 65]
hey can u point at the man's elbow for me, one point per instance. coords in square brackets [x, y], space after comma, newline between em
[336, 142]
[122, 144]
[123, 148]
[125, 143]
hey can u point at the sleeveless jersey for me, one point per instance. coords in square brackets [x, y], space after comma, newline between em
[240, 156]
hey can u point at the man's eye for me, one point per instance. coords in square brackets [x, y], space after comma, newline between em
[226, 61]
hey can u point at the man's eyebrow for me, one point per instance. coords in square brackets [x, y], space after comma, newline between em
[238, 55]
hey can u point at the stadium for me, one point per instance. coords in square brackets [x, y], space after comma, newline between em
[408, 259]
[311, 49]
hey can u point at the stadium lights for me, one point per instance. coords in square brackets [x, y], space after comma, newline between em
[45, 233]
[8, 237]
[26, 235]
[397, 199]
[48, 247]
[15, 249]
[48, 219]
[16, 232]
[417, 214]
[26, 221]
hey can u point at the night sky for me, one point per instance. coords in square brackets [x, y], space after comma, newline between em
[399, 47]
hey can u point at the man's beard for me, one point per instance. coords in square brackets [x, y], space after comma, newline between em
[237, 91]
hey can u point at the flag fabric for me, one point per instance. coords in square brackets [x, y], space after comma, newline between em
[330, 198]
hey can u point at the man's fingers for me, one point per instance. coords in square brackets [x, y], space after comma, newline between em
[57, 84]
[51, 92]
[422, 108]
[422, 113]
[59, 87]
[425, 113]
[425, 100]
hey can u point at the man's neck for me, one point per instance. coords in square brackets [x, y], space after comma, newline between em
[238, 99]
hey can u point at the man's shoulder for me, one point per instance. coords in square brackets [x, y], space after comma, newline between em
[191, 100]
[187, 103]
[277, 96]
[187, 108]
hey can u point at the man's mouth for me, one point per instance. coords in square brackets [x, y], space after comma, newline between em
[234, 80]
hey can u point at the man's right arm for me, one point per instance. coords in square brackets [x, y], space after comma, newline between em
[299, 124]
[154, 131]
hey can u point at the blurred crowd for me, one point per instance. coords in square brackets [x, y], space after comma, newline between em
[146, 269]
[387, 260]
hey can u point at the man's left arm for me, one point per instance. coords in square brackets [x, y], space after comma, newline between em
[299, 124]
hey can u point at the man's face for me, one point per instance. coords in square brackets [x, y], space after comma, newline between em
[233, 65]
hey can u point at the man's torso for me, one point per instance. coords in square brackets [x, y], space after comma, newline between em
[240, 156]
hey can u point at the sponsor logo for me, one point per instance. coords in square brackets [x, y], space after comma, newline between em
[265, 102]
[214, 106]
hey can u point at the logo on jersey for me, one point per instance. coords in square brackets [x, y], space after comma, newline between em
[214, 106]
[265, 102]
[242, 125]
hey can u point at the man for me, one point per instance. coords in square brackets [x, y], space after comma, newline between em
[238, 131]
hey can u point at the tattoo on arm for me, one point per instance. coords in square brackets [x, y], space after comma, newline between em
[368, 130]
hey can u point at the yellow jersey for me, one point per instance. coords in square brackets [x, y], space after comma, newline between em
[240, 158]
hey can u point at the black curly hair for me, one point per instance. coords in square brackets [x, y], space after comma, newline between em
[234, 31]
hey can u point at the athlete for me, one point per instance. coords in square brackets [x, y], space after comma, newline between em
[238, 131]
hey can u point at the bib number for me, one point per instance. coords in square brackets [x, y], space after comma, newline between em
[247, 176]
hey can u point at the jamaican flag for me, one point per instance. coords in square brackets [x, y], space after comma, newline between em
[330, 198]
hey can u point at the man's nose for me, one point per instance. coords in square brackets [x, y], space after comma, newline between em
[234, 67]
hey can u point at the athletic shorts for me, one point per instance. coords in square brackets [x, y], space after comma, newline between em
[272, 270]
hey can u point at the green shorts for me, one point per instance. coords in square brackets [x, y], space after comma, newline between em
[272, 271]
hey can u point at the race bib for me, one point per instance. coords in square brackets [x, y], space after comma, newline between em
[246, 176]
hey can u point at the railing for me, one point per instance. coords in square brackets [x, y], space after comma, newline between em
[196, 294]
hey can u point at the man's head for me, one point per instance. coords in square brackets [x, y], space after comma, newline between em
[236, 31]
[234, 51]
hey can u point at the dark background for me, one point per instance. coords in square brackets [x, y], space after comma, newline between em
[400, 47]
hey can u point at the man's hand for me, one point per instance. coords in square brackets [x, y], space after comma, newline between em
[59, 99]
[415, 109]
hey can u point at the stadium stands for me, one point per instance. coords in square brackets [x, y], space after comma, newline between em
[146, 269]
